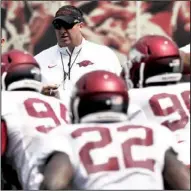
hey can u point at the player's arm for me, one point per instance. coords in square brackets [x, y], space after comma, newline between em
[175, 173]
[58, 172]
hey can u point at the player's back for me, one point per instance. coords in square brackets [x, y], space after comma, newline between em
[114, 156]
[32, 111]
[168, 105]
[26, 115]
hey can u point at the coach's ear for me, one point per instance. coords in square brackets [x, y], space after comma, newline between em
[176, 174]
[58, 172]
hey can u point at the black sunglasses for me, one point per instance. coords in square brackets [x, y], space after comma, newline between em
[59, 25]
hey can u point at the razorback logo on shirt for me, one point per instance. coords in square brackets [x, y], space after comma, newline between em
[85, 63]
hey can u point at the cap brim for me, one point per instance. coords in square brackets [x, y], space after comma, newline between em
[67, 19]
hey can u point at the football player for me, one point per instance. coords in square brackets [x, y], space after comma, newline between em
[105, 150]
[25, 111]
[7, 182]
[155, 70]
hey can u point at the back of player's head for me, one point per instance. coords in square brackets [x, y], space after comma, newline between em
[154, 60]
[99, 92]
[21, 72]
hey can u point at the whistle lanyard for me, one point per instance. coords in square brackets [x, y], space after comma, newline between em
[70, 65]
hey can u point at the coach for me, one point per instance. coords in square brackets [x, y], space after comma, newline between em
[73, 55]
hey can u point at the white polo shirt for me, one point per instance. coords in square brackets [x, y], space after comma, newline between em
[85, 58]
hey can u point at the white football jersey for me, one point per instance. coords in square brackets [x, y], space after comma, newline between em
[168, 106]
[115, 156]
[135, 113]
[28, 114]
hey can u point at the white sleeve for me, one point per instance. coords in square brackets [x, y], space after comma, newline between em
[114, 62]
[135, 113]
[183, 146]
[48, 145]
[165, 140]
[40, 58]
[60, 143]
[170, 139]
[186, 48]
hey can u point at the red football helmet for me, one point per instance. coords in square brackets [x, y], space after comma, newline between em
[154, 60]
[98, 92]
[21, 70]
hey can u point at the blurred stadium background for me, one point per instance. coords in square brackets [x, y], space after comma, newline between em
[26, 25]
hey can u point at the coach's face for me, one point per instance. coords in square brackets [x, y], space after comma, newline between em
[69, 37]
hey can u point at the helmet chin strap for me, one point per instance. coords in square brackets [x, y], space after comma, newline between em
[141, 75]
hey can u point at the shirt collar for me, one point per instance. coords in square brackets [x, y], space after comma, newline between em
[66, 51]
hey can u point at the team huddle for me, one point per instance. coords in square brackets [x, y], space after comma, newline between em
[118, 132]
